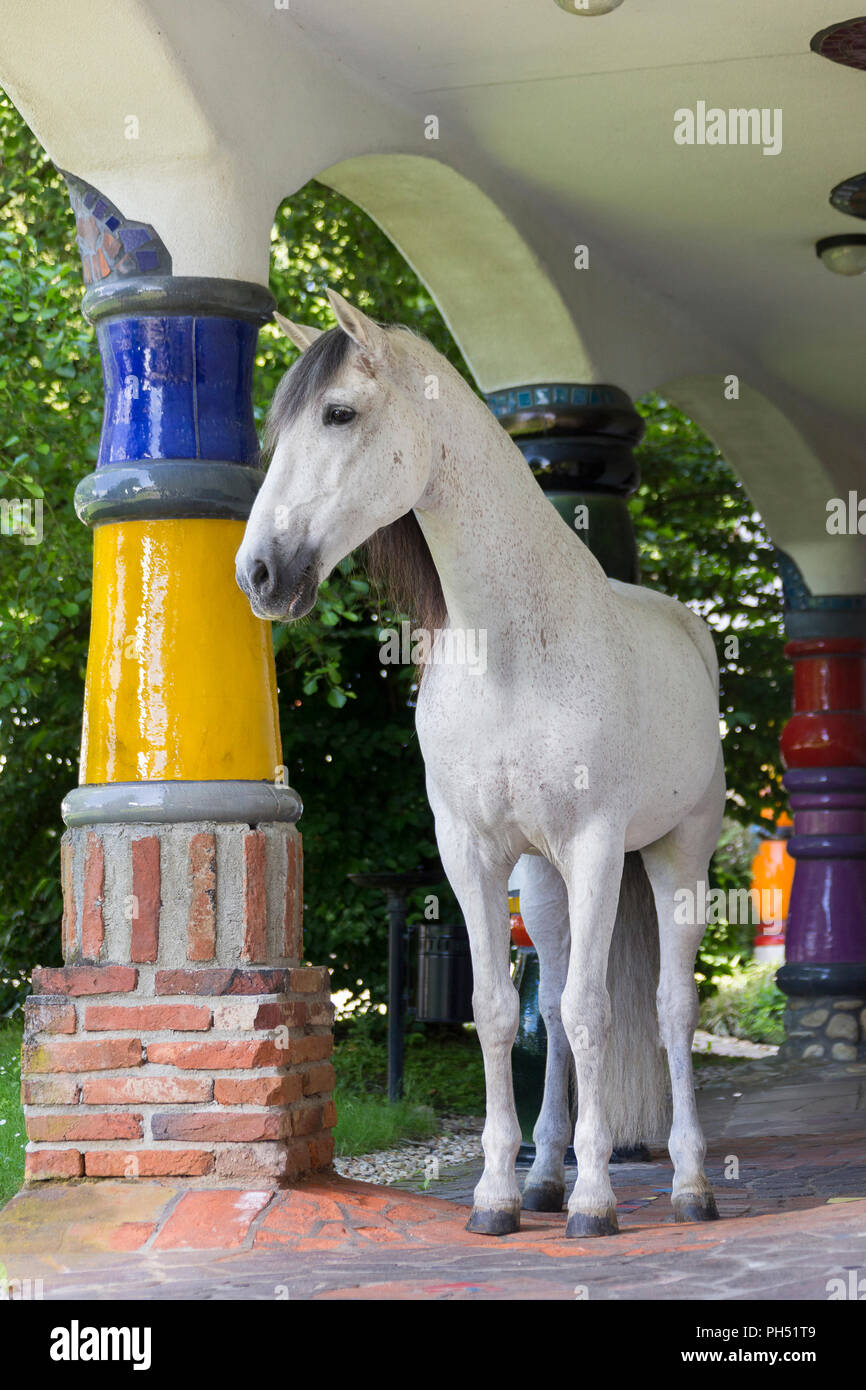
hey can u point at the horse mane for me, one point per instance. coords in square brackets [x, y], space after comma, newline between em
[304, 380]
[396, 558]
[398, 562]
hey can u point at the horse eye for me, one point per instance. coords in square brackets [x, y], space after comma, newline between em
[338, 415]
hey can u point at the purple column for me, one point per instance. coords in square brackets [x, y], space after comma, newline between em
[824, 750]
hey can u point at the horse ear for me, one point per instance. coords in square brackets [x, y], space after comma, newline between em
[301, 334]
[370, 338]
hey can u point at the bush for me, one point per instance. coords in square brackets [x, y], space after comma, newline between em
[12, 1137]
[747, 1004]
[442, 1070]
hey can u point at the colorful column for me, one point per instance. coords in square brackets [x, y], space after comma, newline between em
[183, 1037]
[824, 749]
[579, 442]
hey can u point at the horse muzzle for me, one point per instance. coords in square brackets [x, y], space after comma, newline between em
[277, 591]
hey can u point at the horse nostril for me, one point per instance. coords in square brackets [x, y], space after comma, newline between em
[259, 575]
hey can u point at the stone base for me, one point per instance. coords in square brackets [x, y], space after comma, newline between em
[824, 1028]
[183, 1039]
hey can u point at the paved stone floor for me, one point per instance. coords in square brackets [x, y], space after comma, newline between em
[786, 1156]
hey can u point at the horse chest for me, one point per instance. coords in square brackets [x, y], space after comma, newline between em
[494, 761]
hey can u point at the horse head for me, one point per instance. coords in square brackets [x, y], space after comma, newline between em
[350, 453]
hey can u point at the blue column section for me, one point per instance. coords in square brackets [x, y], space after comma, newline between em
[178, 433]
[177, 387]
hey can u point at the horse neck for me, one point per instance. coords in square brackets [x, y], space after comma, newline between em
[496, 541]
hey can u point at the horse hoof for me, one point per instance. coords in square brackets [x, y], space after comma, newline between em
[496, 1221]
[545, 1196]
[695, 1206]
[583, 1226]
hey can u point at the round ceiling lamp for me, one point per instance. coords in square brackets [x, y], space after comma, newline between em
[844, 255]
[589, 8]
[850, 196]
[843, 42]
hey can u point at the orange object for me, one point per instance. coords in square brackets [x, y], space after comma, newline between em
[773, 868]
[772, 879]
[519, 935]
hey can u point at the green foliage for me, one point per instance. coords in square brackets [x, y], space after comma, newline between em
[701, 541]
[727, 944]
[736, 849]
[443, 1073]
[446, 1072]
[50, 414]
[365, 1124]
[347, 723]
[12, 1136]
[443, 1070]
[747, 1004]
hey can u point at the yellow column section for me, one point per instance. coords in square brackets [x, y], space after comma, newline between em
[180, 675]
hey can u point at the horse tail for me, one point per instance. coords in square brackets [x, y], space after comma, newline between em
[635, 1075]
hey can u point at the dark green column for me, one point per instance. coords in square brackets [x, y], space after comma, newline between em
[579, 443]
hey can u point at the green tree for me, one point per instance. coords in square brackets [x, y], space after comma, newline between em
[50, 412]
[700, 539]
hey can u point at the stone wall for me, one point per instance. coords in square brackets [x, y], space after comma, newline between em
[825, 1027]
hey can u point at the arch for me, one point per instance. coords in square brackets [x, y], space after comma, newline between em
[428, 209]
[788, 478]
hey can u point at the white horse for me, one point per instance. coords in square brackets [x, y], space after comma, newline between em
[591, 734]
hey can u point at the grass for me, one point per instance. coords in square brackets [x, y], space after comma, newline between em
[442, 1074]
[747, 1004]
[366, 1124]
[12, 1139]
[442, 1071]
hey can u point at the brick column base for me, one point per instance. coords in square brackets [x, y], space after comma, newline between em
[158, 1063]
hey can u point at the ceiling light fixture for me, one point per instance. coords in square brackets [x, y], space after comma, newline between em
[850, 196]
[843, 42]
[589, 8]
[844, 255]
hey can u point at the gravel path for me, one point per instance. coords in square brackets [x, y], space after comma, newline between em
[731, 1047]
[458, 1142]
[460, 1138]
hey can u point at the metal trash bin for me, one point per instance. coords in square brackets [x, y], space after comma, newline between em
[444, 973]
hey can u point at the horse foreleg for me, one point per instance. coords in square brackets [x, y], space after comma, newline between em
[544, 909]
[593, 874]
[481, 884]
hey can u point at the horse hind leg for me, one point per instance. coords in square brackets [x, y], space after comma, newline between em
[593, 873]
[679, 861]
[544, 909]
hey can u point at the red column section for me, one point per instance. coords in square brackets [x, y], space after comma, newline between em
[828, 726]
